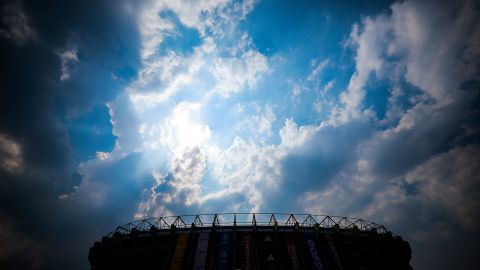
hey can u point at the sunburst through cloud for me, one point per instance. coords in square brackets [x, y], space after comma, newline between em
[120, 110]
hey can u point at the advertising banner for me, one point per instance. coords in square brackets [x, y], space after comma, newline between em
[201, 252]
[292, 253]
[247, 248]
[268, 257]
[182, 242]
[312, 252]
[223, 251]
[334, 252]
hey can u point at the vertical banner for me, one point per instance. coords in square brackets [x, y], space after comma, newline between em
[313, 253]
[293, 261]
[182, 242]
[334, 252]
[201, 253]
[267, 252]
[223, 251]
[247, 251]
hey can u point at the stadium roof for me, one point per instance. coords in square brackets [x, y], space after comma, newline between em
[249, 219]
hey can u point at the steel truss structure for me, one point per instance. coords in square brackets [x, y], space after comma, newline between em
[249, 219]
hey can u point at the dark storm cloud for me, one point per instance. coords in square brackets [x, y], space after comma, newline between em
[15, 25]
[315, 163]
[434, 132]
[102, 202]
[33, 104]
[107, 42]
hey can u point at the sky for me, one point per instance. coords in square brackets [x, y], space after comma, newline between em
[112, 111]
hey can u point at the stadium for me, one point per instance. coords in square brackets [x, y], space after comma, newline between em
[251, 241]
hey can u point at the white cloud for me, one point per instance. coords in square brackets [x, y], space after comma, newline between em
[200, 15]
[293, 135]
[235, 74]
[400, 171]
[427, 51]
[258, 124]
[247, 169]
[393, 173]
[317, 68]
[67, 57]
[297, 90]
[194, 172]
[187, 170]
[369, 40]
[148, 121]
[162, 68]
[164, 77]
[329, 85]
[202, 71]
[125, 125]
[243, 168]
[183, 184]
[153, 29]
[433, 47]
[103, 155]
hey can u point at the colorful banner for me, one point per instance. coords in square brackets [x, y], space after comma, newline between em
[182, 242]
[223, 251]
[247, 251]
[201, 253]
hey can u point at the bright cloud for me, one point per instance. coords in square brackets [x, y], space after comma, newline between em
[68, 57]
[185, 132]
[181, 103]
[234, 74]
[181, 127]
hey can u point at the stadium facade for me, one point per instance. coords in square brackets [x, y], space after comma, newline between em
[251, 241]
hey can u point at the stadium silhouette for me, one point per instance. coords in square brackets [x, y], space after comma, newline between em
[251, 241]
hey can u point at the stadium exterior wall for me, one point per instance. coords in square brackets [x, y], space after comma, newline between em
[251, 242]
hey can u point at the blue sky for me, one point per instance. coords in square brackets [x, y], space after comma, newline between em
[119, 110]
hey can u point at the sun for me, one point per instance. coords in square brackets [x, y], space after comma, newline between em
[186, 128]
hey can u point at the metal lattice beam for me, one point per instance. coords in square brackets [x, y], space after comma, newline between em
[249, 219]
